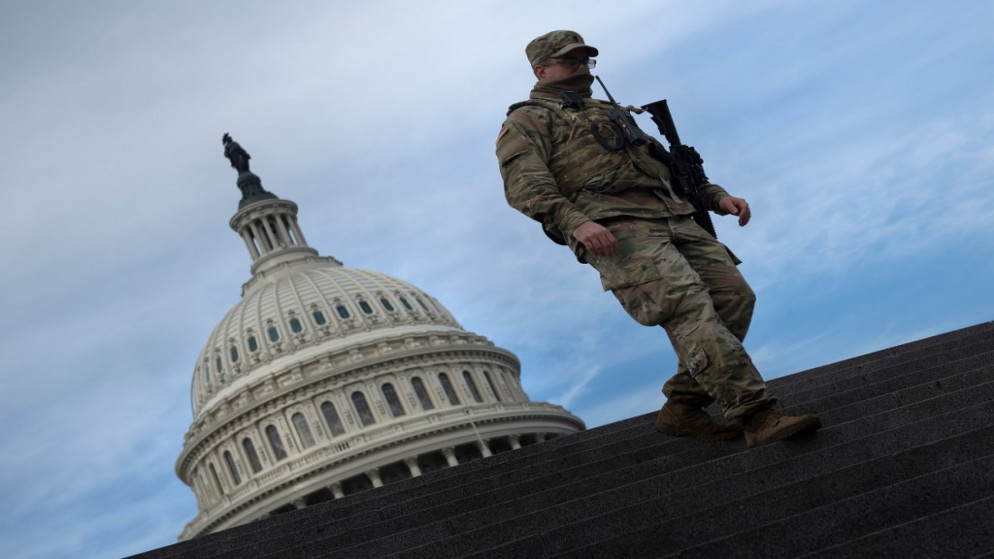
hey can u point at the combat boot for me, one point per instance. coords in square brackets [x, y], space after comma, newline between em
[681, 420]
[769, 426]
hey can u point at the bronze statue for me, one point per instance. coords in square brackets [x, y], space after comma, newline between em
[239, 157]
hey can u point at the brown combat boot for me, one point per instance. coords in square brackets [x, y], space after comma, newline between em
[769, 426]
[681, 420]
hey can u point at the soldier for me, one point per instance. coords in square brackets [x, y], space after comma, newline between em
[566, 165]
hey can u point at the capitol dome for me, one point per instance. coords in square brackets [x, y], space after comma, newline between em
[325, 380]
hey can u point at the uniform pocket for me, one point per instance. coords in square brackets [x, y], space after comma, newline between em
[632, 265]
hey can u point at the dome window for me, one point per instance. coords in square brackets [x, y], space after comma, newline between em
[396, 408]
[303, 429]
[422, 303]
[275, 442]
[253, 456]
[472, 386]
[319, 318]
[419, 389]
[332, 419]
[252, 344]
[386, 304]
[219, 363]
[450, 392]
[407, 305]
[234, 354]
[362, 408]
[231, 467]
[295, 326]
[342, 311]
[365, 307]
[274, 334]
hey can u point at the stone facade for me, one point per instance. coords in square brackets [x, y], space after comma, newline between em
[326, 380]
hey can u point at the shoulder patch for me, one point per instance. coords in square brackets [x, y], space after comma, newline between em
[503, 132]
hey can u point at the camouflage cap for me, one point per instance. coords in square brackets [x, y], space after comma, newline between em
[554, 44]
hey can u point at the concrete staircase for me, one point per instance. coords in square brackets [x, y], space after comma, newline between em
[903, 467]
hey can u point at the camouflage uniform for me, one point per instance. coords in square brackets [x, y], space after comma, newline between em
[667, 271]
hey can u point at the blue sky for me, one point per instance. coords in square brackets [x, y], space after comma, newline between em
[861, 132]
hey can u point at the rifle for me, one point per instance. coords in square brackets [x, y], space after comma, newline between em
[624, 123]
[686, 164]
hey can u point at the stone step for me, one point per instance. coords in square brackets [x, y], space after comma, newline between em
[895, 412]
[525, 514]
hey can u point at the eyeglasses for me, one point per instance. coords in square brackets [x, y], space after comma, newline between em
[571, 63]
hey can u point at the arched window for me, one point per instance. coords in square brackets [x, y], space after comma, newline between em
[422, 303]
[274, 334]
[332, 419]
[419, 390]
[386, 304]
[472, 386]
[231, 467]
[275, 442]
[404, 302]
[493, 386]
[365, 307]
[303, 430]
[319, 318]
[253, 345]
[362, 408]
[234, 354]
[396, 408]
[253, 456]
[219, 368]
[342, 311]
[295, 326]
[450, 392]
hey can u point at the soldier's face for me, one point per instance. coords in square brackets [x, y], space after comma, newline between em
[554, 71]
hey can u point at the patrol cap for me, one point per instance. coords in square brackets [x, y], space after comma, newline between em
[555, 44]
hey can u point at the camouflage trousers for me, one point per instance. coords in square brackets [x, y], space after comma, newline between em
[670, 272]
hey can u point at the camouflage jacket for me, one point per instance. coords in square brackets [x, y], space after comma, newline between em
[557, 172]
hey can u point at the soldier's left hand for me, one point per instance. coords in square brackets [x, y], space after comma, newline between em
[736, 206]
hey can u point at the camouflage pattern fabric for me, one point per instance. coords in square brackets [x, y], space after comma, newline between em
[668, 271]
[554, 44]
[556, 172]
[702, 301]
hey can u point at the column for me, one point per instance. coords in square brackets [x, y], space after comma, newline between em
[336, 490]
[515, 442]
[260, 238]
[412, 465]
[281, 224]
[253, 250]
[484, 447]
[297, 233]
[374, 476]
[450, 456]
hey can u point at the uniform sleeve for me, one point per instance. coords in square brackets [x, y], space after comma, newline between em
[523, 150]
[711, 194]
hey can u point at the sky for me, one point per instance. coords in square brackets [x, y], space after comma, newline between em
[861, 133]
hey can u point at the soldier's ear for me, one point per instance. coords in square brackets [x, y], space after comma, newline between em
[539, 71]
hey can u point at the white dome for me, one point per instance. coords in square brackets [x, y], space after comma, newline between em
[325, 380]
[304, 304]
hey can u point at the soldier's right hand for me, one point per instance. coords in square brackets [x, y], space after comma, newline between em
[597, 239]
